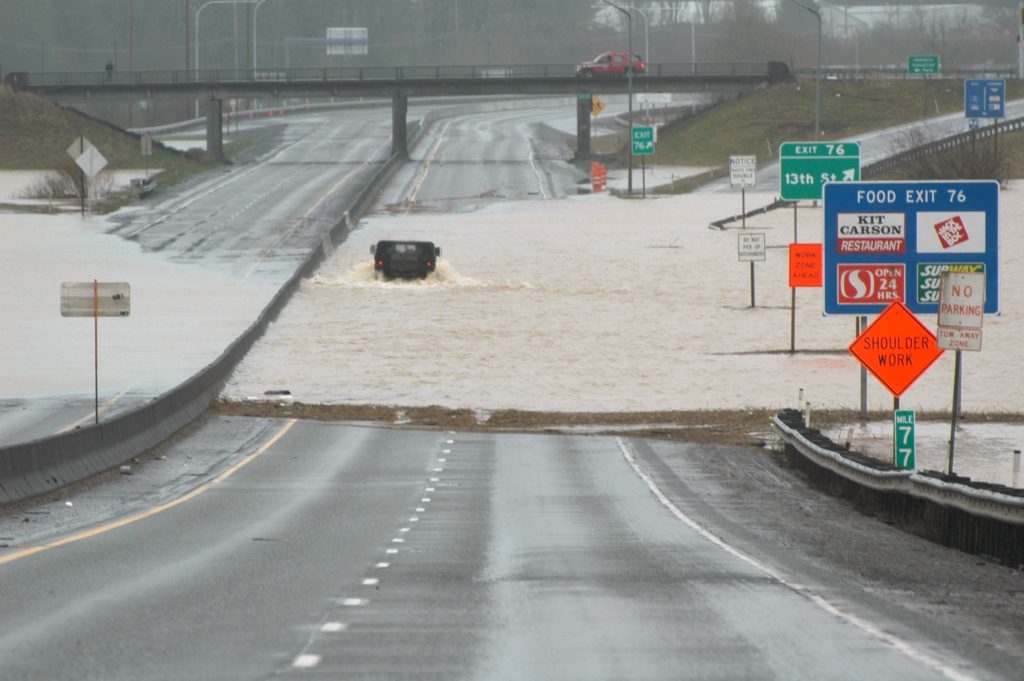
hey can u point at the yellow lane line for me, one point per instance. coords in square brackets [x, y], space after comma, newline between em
[426, 168]
[102, 529]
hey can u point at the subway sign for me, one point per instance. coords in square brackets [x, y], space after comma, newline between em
[887, 242]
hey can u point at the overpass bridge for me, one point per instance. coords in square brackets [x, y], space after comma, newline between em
[398, 82]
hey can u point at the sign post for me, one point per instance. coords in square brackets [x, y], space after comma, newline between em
[805, 270]
[924, 65]
[643, 139]
[961, 313]
[95, 299]
[751, 248]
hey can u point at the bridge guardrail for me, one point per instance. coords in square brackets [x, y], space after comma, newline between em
[773, 71]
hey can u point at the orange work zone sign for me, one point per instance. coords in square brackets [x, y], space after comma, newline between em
[805, 265]
[897, 348]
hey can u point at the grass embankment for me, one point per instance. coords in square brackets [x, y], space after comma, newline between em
[759, 122]
[36, 134]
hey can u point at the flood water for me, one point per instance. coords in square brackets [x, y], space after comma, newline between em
[594, 303]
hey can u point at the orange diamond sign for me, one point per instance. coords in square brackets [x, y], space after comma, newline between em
[897, 348]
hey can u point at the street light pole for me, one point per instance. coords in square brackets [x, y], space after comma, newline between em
[817, 73]
[200, 10]
[255, 11]
[647, 45]
[629, 90]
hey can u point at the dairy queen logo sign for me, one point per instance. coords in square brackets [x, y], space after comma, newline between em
[951, 232]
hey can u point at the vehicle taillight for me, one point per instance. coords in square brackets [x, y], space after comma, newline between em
[380, 263]
[430, 264]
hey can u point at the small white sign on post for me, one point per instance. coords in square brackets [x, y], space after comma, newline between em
[91, 162]
[961, 310]
[751, 247]
[95, 299]
[743, 171]
[79, 146]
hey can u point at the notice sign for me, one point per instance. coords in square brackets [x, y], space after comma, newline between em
[751, 247]
[897, 348]
[743, 171]
[871, 233]
[805, 265]
[871, 284]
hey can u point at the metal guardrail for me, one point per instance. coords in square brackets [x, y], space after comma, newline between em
[901, 73]
[1004, 508]
[937, 146]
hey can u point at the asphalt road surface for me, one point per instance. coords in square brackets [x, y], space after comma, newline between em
[349, 551]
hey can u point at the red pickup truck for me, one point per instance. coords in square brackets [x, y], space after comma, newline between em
[610, 64]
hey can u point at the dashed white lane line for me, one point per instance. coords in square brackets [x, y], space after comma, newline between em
[868, 628]
[404, 529]
[371, 581]
[414, 519]
[429, 489]
[382, 565]
[333, 627]
[391, 552]
[425, 500]
[306, 661]
[449, 442]
[354, 602]
[421, 509]
[397, 540]
[435, 480]
[441, 460]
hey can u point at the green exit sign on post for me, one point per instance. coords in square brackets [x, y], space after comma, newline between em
[807, 166]
[643, 140]
[923, 63]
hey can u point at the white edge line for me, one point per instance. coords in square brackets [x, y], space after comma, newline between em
[868, 628]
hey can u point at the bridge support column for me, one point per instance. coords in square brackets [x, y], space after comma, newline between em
[584, 105]
[399, 132]
[214, 128]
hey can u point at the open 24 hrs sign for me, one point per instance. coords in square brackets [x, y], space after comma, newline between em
[805, 167]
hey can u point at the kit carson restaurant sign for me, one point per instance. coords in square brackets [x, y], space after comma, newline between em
[871, 233]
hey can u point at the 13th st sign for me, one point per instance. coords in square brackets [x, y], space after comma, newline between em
[805, 167]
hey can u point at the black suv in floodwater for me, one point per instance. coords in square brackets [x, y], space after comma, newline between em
[404, 259]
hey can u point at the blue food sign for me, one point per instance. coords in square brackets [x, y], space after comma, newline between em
[889, 241]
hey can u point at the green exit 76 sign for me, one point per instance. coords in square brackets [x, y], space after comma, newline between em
[643, 140]
[805, 167]
[903, 438]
